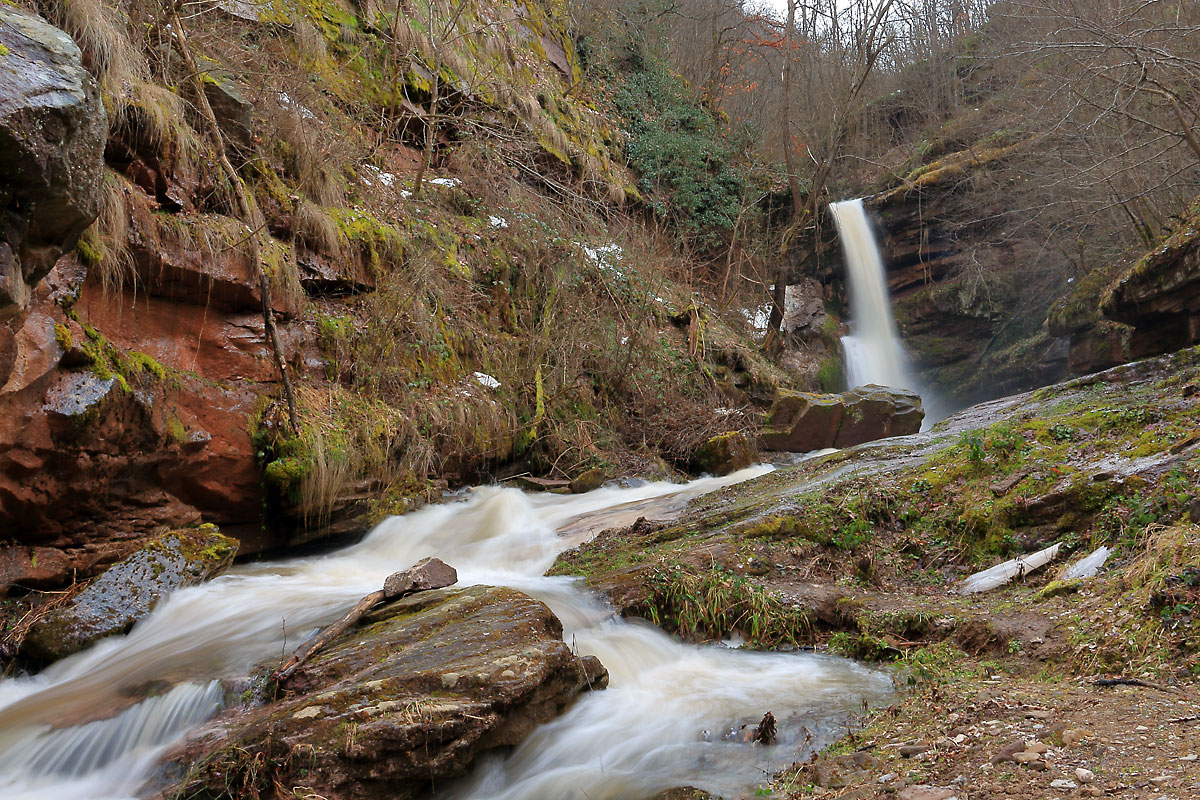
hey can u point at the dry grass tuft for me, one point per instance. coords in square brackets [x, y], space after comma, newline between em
[103, 33]
[311, 155]
[104, 247]
[309, 41]
[1165, 550]
[316, 230]
[156, 116]
[279, 262]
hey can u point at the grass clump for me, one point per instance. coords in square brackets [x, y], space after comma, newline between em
[716, 603]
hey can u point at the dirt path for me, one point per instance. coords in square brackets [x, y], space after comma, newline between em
[958, 736]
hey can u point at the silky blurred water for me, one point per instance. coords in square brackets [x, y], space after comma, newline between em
[71, 731]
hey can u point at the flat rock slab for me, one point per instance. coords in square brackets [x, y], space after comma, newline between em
[129, 590]
[801, 422]
[407, 698]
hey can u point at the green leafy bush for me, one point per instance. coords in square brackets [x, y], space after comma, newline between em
[684, 162]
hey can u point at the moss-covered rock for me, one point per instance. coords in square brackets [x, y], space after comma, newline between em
[129, 590]
[408, 697]
[588, 480]
[725, 453]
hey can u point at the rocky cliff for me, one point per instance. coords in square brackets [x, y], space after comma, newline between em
[972, 328]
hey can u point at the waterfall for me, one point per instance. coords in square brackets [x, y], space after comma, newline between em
[60, 737]
[873, 350]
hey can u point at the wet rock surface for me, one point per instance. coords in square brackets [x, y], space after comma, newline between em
[725, 453]
[409, 697]
[52, 132]
[801, 422]
[129, 590]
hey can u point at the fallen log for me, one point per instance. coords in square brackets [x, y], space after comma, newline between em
[429, 573]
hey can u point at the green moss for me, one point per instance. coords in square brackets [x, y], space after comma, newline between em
[830, 376]
[89, 253]
[1058, 588]
[862, 646]
[62, 335]
[141, 362]
[175, 430]
[380, 243]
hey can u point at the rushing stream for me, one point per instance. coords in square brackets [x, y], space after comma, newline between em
[71, 732]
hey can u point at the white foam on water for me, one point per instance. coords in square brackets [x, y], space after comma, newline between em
[644, 733]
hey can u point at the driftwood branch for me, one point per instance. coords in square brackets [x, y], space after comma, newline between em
[431, 573]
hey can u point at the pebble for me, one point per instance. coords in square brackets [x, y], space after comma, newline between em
[1091, 791]
[1084, 775]
[1141, 729]
[1159, 780]
[1062, 784]
[1072, 735]
[1026, 757]
[1036, 747]
[1038, 766]
[1188, 757]
[926, 793]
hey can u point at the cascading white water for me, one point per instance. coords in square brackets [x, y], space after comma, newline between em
[640, 735]
[873, 352]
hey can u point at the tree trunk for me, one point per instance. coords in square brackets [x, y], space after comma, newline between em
[779, 293]
[431, 128]
[244, 210]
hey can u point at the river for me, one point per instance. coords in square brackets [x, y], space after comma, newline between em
[72, 732]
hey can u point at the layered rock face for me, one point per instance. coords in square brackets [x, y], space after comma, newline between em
[52, 132]
[1160, 296]
[1118, 314]
[959, 338]
[406, 699]
[107, 438]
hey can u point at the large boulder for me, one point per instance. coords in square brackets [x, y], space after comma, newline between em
[402, 701]
[52, 132]
[129, 590]
[725, 453]
[801, 422]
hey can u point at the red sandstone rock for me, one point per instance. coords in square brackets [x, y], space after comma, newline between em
[801, 422]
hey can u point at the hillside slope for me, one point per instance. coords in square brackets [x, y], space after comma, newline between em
[459, 265]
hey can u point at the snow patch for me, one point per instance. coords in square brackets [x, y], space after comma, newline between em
[286, 100]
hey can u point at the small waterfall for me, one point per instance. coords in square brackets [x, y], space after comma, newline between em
[872, 349]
